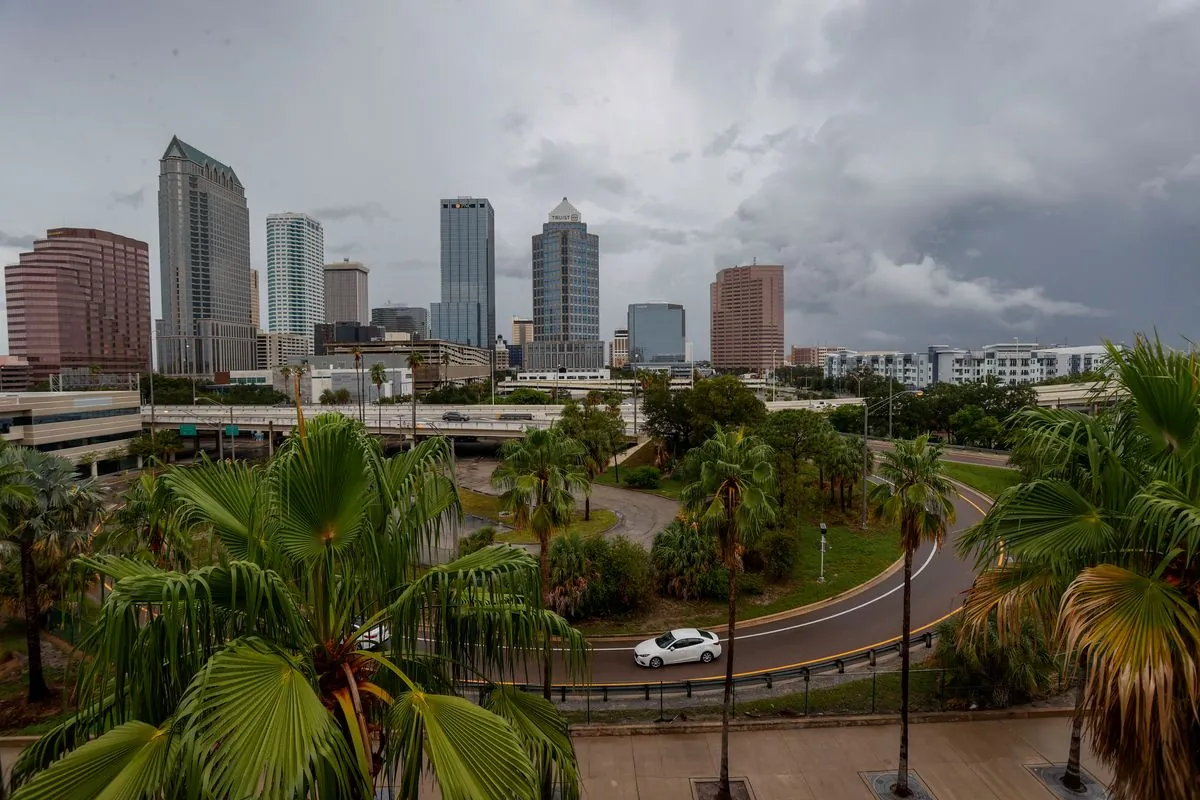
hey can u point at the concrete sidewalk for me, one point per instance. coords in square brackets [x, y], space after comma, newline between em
[957, 760]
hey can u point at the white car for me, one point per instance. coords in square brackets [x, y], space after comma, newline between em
[677, 647]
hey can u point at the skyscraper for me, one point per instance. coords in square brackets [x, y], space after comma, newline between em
[467, 311]
[255, 301]
[346, 292]
[399, 318]
[295, 274]
[747, 317]
[522, 330]
[80, 299]
[657, 333]
[618, 356]
[204, 258]
[566, 294]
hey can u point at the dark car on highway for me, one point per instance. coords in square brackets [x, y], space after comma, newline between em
[455, 416]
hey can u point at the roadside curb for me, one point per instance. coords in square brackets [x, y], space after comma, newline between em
[20, 742]
[795, 723]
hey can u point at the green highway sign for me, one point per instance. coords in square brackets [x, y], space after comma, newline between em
[231, 430]
[187, 430]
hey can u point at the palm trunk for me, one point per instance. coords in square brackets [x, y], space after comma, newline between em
[544, 568]
[901, 788]
[1073, 777]
[414, 412]
[587, 507]
[832, 493]
[38, 691]
[727, 705]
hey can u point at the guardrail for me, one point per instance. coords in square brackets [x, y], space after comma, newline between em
[585, 697]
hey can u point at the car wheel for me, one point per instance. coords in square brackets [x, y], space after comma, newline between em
[706, 657]
[656, 662]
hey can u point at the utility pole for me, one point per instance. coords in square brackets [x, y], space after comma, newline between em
[866, 465]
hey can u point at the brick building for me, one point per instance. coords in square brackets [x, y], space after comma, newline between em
[747, 317]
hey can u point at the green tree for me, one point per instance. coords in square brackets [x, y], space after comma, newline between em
[917, 496]
[684, 560]
[379, 378]
[328, 397]
[47, 511]
[600, 432]
[540, 475]
[266, 676]
[734, 502]
[1102, 546]
[149, 523]
[162, 445]
[524, 396]
[416, 360]
[974, 426]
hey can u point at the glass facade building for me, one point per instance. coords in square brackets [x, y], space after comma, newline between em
[295, 274]
[566, 294]
[657, 333]
[467, 311]
[402, 319]
[204, 258]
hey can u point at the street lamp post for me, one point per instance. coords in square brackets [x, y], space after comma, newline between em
[232, 438]
[824, 530]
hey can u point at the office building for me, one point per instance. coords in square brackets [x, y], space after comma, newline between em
[657, 333]
[619, 348]
[14, 374]
[255, 301]
[328, 334]
[467, 311]
[80, 298]
[295, 274]
[522, 331]
[346, 292]
[204, 259]
[79, 426]
[566, 295]
[275, 349]
[747, 317]
[813, 356]
[1010, 362]
[398, 318]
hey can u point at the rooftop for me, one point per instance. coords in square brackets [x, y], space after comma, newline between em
[181, 149]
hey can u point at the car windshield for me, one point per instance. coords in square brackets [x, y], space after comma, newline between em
[665, 640]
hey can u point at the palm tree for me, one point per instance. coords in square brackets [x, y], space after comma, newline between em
[917, 496]
[539, 476]
[359, 385]
[51, 515]
[379, 378]
[596, 434]
[320, 660]
[149, 523]
[445, 361]
[1102, 545]
[415, 360]
[733, 501]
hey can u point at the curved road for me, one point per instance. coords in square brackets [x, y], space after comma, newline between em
[865, 620]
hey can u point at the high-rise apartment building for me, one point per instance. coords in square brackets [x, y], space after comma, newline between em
[619, 348]
[657, 333]
[80, 299]
[813, 356]
[204, 259]
[522, 330]
[255, 301]
[398, 318]
[747, 317]
[566, 295]
[295, 274]
[467, 311]
[346, 292]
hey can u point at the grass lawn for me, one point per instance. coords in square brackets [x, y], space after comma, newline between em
[488, 506]
[854, 557]
[16, 717]
[989, 480]
[669, 488]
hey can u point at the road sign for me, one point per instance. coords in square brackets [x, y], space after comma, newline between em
[231, 430]
[187, 430]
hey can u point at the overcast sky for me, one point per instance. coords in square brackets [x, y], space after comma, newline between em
[962, 171]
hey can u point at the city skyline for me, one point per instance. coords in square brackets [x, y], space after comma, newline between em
[975, 214]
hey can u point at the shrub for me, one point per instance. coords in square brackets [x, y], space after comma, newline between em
[477, 541]
[687, 469]
[643, 478]
[591, 576]
[627, 579]
[780, 551]
[685, 561]
[992, 672]
[751, 584]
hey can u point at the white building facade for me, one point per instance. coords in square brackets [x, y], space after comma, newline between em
[1011, 362]
[295, 274]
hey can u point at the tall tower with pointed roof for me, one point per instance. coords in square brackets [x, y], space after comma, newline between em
[204, 259]
[566, 294]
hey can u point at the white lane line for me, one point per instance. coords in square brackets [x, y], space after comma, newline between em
[843, 613]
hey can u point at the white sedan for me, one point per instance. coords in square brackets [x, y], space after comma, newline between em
[677, 647]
